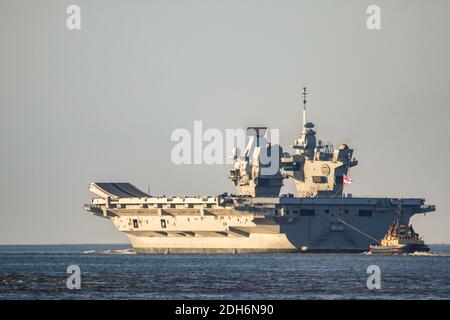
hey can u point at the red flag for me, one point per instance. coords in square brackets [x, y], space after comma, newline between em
[347, 180]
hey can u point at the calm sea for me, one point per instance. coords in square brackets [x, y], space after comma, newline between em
[114, 272]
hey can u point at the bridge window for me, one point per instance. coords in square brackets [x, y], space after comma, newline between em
[365, 213]
[320, 179]
[163, 223]
[307, 212]
[135, 223]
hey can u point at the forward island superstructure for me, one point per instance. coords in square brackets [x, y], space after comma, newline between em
[321, 218]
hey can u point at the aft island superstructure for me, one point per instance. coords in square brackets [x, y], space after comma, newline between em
[321, 218]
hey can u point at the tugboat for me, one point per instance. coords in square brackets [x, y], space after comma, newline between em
[400, 238]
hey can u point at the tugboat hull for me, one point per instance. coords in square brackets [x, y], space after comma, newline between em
[405, 248]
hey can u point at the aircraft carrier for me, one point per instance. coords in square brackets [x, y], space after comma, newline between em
[320, 218]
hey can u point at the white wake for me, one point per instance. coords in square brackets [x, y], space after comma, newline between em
[112, 251]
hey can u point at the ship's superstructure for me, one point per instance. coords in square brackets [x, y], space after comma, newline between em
[320, 218]
[248, 174]
[317, 169]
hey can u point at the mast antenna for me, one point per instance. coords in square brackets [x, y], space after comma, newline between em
[304, 94]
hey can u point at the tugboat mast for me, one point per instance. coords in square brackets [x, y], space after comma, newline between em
[400, 211]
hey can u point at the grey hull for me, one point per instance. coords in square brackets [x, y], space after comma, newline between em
[230, 224]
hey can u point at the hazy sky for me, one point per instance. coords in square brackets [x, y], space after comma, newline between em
[100, 103]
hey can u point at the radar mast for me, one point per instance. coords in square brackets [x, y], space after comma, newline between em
[304, 95]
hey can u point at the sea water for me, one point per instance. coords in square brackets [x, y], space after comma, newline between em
[116, 272]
